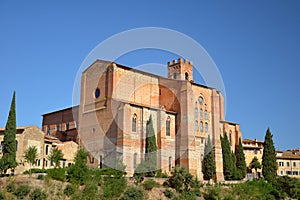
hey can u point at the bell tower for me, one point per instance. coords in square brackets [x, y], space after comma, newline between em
[180, 70]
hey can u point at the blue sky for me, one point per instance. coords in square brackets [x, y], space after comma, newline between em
[254, 44]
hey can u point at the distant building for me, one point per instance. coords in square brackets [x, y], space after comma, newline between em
[253, 148]
[62, 124]
[69, 149]
[28, 136]
[288, 163]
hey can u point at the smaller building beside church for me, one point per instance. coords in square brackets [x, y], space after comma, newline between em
[28, 136]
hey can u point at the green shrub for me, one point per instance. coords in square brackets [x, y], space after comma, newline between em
[78, 194]
[229, 197]
[169, 193]
[133, 193]
[255, 190]
[90, 191]
[288, 186]
[57, 174]
[22, 191]
[212, 193]
[149, 184]
[113, 187]
[11, 186]
[2, 195]
[180, 179]
[196, 191]
[94, 176]
[69, 190]
[41, 177]
[160, 174]
[38, 194]
[187, 195]
[35, 170]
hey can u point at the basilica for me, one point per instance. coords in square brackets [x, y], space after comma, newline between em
[116, 101]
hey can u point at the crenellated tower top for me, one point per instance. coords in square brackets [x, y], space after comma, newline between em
[180, 69]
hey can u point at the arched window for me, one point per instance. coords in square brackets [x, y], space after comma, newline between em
[47, 149]
[206, 127]
[48, 130]
[170, 163]
[168, 121]
[134, 160]
[196, 112]
[196, 126]
[201, 113]
[134, 123]
[186, 76]
[201, 126]
[205, 115]
[200, 99]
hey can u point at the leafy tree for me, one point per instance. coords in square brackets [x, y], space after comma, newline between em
[255, 164]
[269, 158]
[31, 156]
[9, 140]
[151, 148]
[56, 156]
[288, 187]
[180, 179]
[209, 167]
[78, 171]
[241, 163]
[228, 159]
[114, 183]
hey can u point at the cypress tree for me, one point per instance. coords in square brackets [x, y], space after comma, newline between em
[228, 158]
[269, 158]
[209, 167]
[9, 140]
[151, 148]
[234, 172]
[241, 163]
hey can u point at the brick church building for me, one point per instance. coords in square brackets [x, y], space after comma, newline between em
[116, 102]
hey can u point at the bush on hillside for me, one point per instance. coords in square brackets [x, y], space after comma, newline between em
[11, 186]
[22, 191]
[90, 191]
[69, 190]
[212, 193]
[57, 174]
[2, 195]
[149, 184]
[133, 193]
[38, 194]
[187, 195]
[113, 187]
[35, 170]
